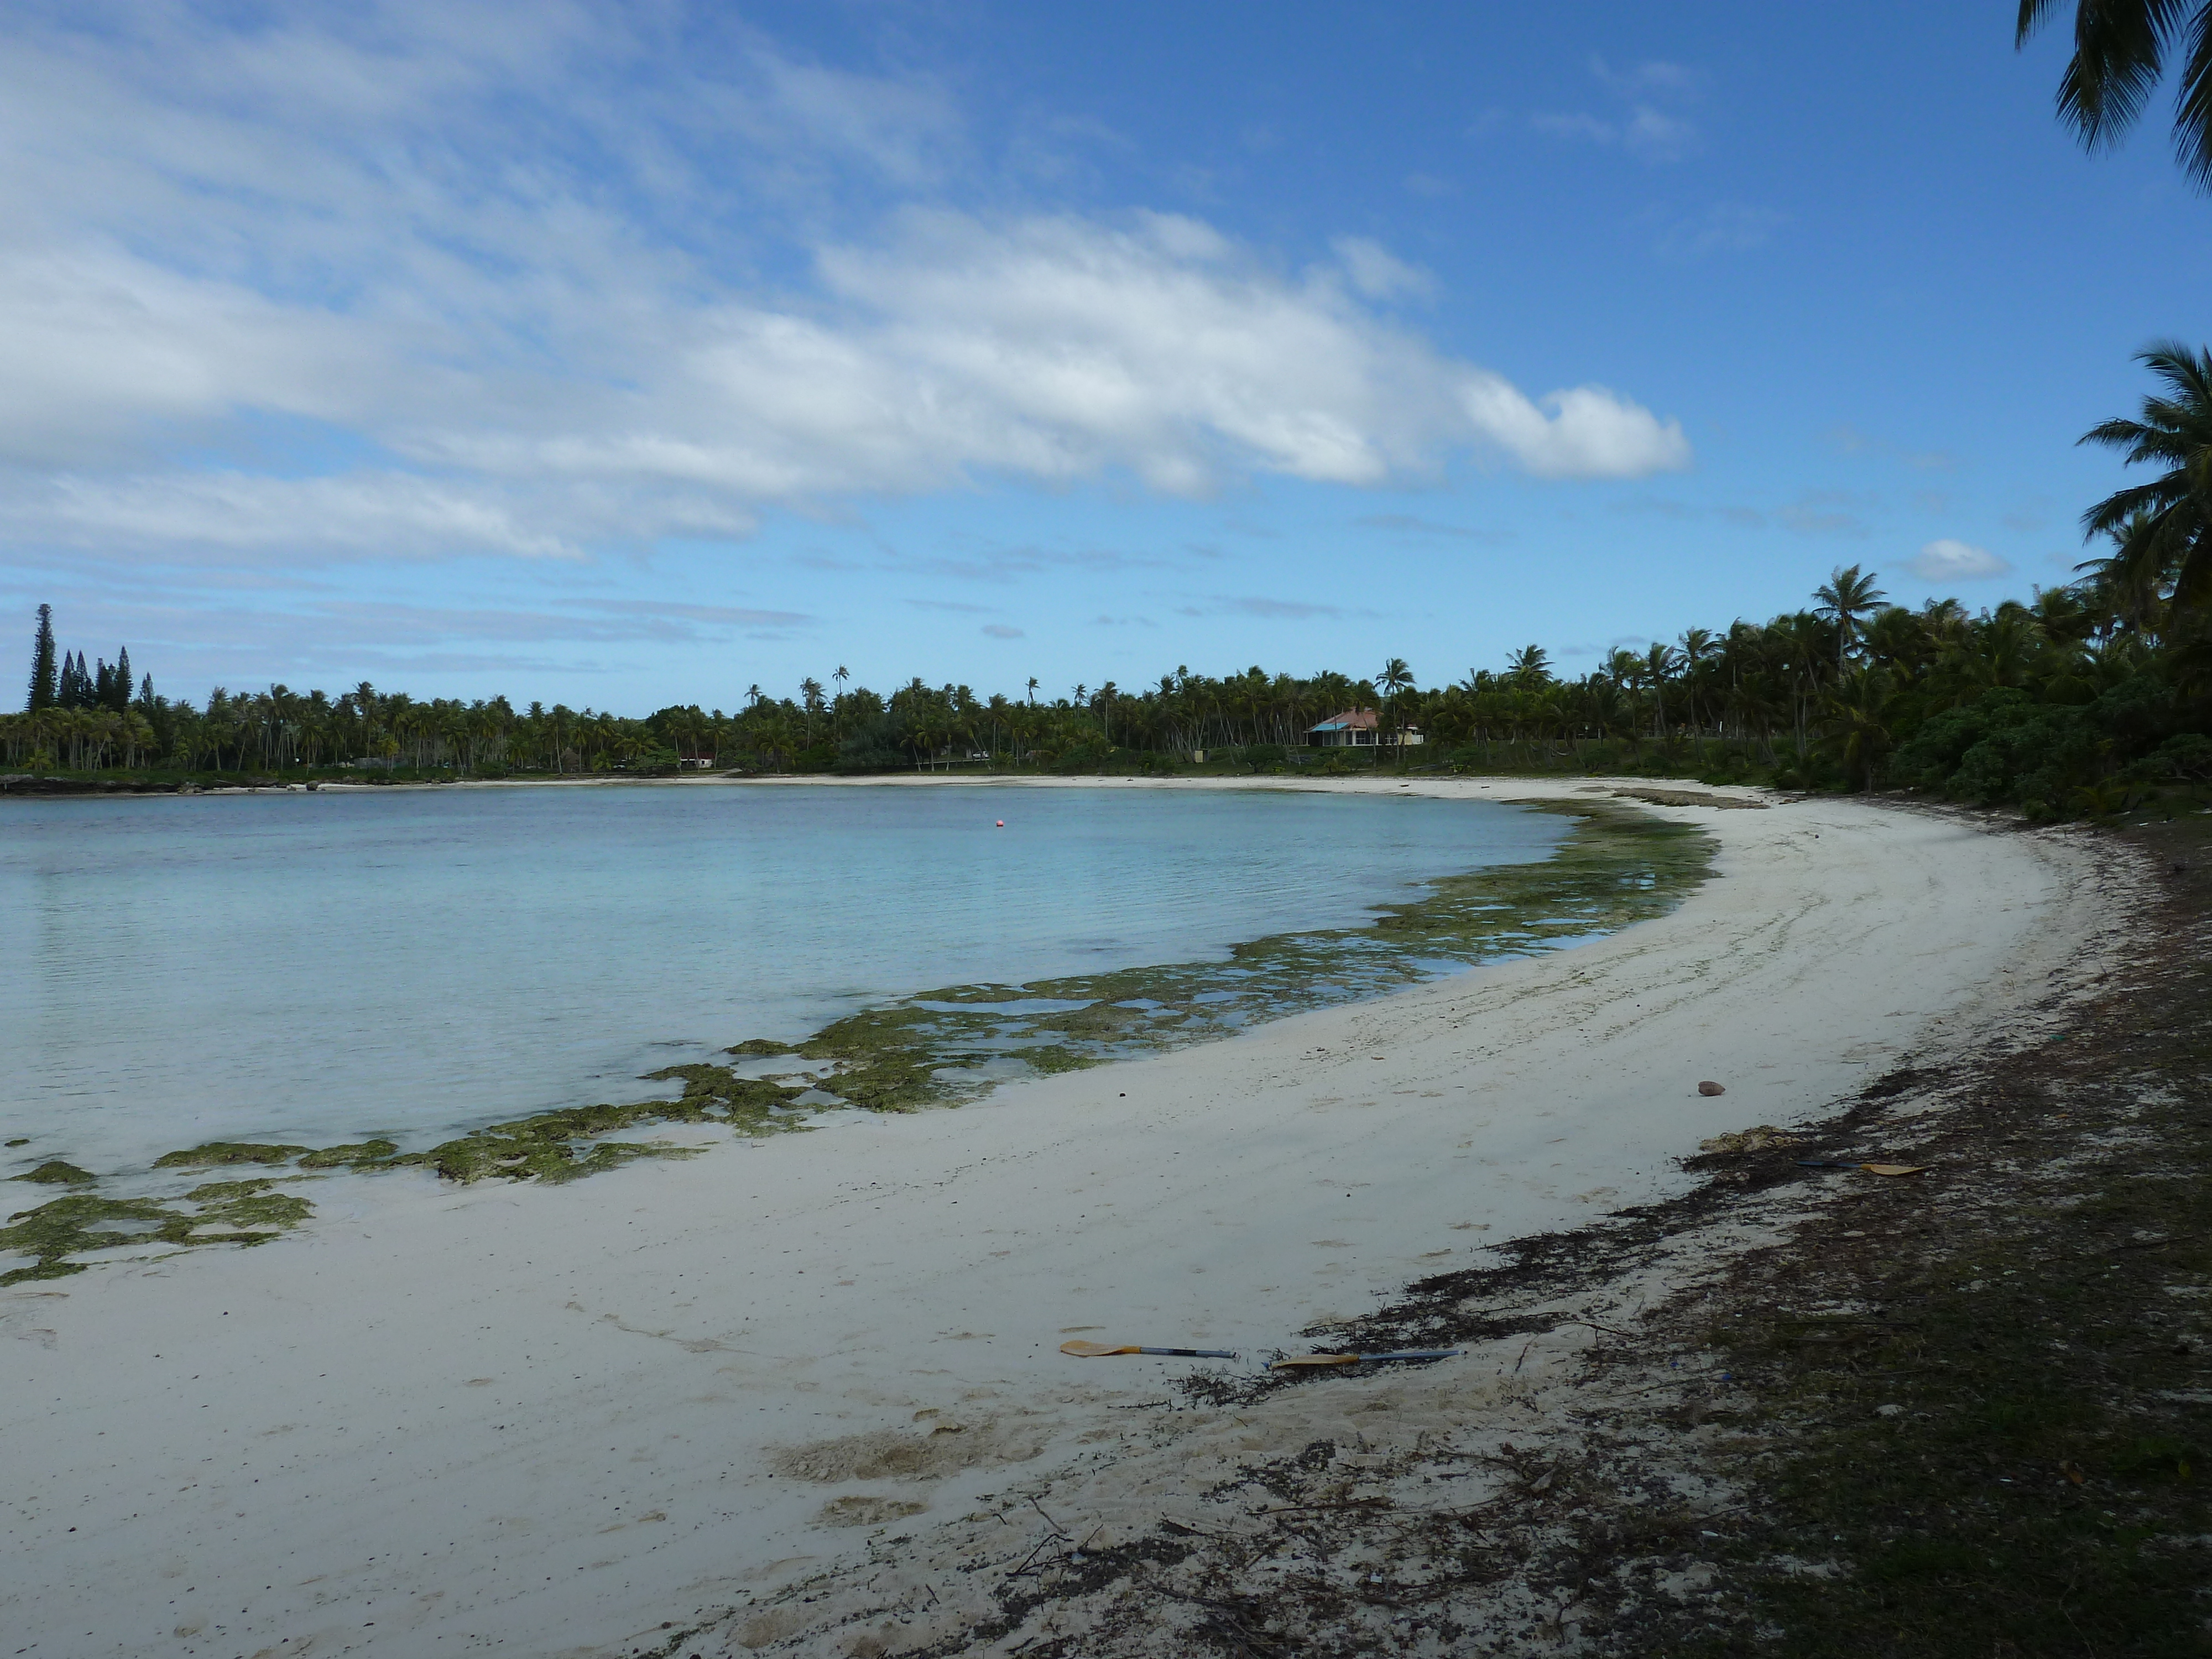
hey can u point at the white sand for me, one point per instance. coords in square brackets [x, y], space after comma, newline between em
[548, 1419]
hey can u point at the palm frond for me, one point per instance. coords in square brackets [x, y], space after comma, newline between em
[2119, 53]
[2192, 116]
[2117, 508]
[2187, 372]
[2193, 577]
[2031, 13]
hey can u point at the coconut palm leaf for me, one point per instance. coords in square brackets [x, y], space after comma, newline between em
[2121, 52]
[2162, 528]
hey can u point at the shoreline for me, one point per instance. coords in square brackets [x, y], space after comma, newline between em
[658, 1385]
[952, 1043]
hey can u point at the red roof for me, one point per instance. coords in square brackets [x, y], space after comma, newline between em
[1352, 719]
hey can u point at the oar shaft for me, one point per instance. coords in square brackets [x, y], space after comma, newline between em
[1192, 1353]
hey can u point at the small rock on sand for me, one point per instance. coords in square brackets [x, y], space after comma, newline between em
[1710, 1089]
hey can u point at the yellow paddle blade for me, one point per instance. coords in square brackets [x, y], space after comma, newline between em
[1893, 1169]
[1316, 1359]
[1092, 1350]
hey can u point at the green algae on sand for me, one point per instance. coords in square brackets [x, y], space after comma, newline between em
[56, 1173]
[227, 1151]
[245, 1210]
[1614, 868]
[359, 1154]
[563, 1145]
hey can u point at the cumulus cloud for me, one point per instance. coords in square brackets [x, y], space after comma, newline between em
[523, 281]
[1948, 561]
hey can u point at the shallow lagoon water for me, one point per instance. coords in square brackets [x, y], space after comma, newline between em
[321, 967]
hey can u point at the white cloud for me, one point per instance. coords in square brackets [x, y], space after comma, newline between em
[1589, 433]
[524, 280]
[1948, 561]
[374, 514]
[1377, 273]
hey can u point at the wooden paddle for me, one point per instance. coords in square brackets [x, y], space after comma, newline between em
[1094, 1350]
[1361, 1359]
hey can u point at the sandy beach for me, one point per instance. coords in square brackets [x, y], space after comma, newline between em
[566, 1420]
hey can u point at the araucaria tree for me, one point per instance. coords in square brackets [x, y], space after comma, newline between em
[45, 671]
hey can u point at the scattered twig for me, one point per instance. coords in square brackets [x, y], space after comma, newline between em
[1609, 1330]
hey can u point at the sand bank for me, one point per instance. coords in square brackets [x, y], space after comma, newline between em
[550, 1420]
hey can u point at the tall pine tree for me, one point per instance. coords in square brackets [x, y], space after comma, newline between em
[118, 694]
[44, 670]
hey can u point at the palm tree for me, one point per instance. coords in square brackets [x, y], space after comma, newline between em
[1530, 667]
[1032, 690]
[1860, 707]
[2164, 528]
[2116, 591]
[2120, 49]
[1661, 664]
[1699, 649]
[1395, 679]
[1845, 597]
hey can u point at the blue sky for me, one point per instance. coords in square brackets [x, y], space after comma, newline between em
[621, 355]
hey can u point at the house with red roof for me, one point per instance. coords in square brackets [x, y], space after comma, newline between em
[1360, 728]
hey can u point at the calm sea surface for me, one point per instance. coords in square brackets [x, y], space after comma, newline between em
[322, 967]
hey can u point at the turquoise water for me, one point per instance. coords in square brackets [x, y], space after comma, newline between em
[322, 967]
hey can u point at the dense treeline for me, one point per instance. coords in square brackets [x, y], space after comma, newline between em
[2081, 700]
[2066, 705]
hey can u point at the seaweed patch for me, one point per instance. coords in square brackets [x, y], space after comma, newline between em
[359, 1154]
[56, 1173]
[64, 1227]
[941, 1047]
[227, 1151]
